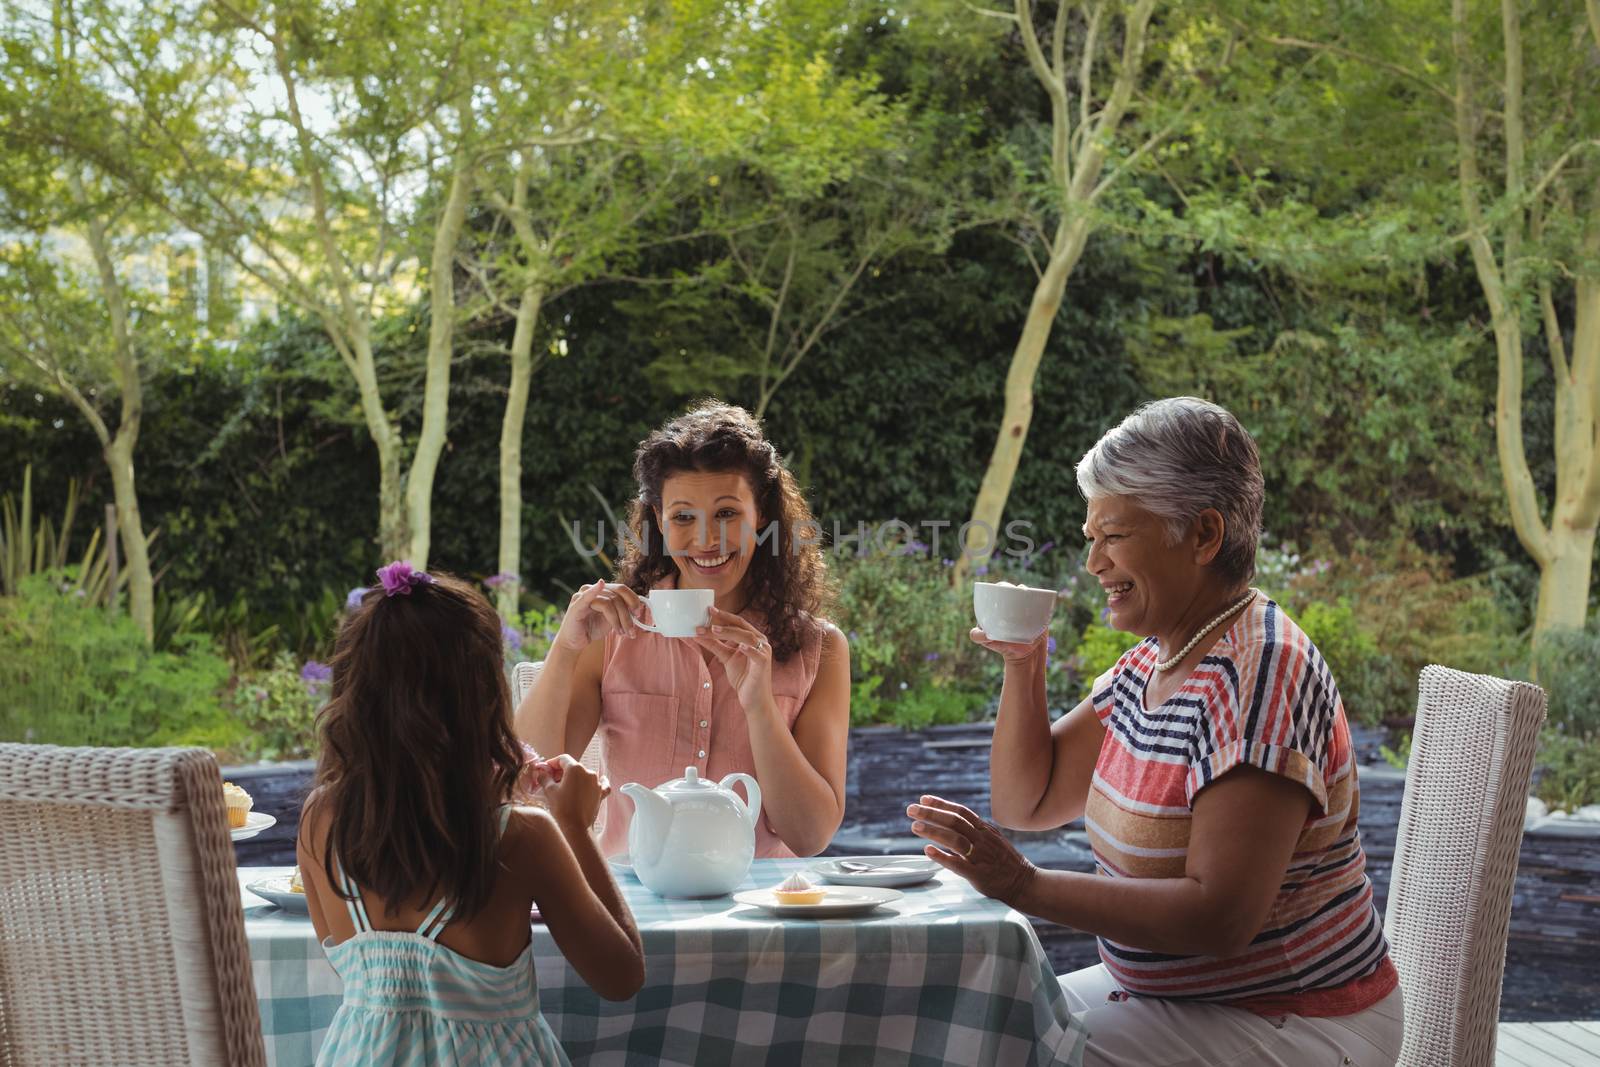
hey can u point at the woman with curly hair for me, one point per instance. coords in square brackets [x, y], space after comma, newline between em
[763, 690]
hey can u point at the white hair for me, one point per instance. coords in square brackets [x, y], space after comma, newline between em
[1176, 458]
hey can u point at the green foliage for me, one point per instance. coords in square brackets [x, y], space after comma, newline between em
[276, 709]
[1568, 770]
[1098, 651]
[75, 675]
[1567, 662]
[906, 626]
[1400, 756]
[1568, 774]
[936, 704]
[1362, 672]
[1386, 611]
[529, 635]
[26, 550]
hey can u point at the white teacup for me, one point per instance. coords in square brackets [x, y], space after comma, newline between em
[1016, 613]
[677, 612]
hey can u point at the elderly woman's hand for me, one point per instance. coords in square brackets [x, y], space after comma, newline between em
[1011, 651]
[969, 846]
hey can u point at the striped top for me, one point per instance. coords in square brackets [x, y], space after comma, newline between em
[1263, 696]
[411, 1002]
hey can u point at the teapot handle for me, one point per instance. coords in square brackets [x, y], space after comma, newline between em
[752, 807]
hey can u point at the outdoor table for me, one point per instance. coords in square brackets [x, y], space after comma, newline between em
[942, 976]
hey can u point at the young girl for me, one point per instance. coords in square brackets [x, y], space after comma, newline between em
[419, 873]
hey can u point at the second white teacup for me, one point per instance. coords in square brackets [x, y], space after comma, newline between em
[1017, 613]
[678, 612]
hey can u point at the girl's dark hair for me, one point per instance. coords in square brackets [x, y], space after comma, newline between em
[417, 748]
[788, 577]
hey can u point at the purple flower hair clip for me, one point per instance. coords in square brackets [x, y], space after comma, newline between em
[399, 578]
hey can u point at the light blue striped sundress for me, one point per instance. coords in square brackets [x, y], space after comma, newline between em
[410, 1001]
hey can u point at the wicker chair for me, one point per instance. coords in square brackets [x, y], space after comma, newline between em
[1455, 860]
[522, 679]
[121, 933]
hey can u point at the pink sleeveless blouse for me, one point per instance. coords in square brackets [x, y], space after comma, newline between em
[664, 708]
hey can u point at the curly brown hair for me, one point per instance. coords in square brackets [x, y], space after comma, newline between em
[417, 747]
[790, 587]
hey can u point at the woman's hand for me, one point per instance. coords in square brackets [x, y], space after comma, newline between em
[594, 611]
[745, 655]
[972, 848]
[573, 793]
[1012, 651]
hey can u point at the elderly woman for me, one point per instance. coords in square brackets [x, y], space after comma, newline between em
[764, 690]
[1212, 767]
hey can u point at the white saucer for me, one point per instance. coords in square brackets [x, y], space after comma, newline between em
[621, 865]
[277, 890]
[885, 872]
[837, 902]
[254, 823]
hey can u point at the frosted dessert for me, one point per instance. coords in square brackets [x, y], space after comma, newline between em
[796, 890]
[238, 803]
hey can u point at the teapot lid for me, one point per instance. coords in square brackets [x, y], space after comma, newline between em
[691, 781]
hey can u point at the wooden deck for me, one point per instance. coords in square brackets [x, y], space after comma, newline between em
[1570, 1044]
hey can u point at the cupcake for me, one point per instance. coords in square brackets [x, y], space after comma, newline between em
[238, 802]
[796, 890]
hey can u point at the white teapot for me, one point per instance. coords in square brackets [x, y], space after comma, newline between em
[692, 837]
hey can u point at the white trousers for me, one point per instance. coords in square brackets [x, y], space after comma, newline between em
[1145, 1032]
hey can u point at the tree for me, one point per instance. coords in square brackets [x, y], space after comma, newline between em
[1547, 228]
[83, 331]
[334, 176]
[1079, 147]
[1489, 157]
[809, 190]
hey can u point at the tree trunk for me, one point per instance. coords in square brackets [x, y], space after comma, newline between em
[1564, 579]
[141, 585]
[983, 534]
[394, 540]
[1564, 584]
[511, 449]
[436, 390]
[1563, 550]
[118, 448]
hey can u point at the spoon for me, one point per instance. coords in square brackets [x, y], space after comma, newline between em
[857, 867]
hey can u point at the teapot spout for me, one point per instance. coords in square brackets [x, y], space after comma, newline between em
[652, 817]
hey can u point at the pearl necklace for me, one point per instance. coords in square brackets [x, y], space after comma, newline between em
[1167, 665]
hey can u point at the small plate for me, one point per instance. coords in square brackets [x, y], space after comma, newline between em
[885, 872]
[254, 823]
[277, 890]
[621, 865]
[838, 901]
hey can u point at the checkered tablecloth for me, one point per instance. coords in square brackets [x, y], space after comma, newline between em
[943, 976]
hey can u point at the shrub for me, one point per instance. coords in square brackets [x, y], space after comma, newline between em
[528, 635]
[1414, 613]
[73, 674]
[936, 704]
[912, 660]
[277, 709]
[1566, 662]
[1098, 651]
[1568, 775]
[1366, 677]
[907, 630]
